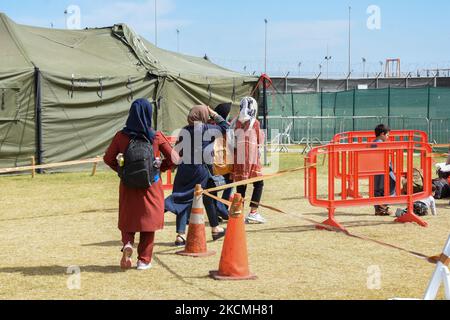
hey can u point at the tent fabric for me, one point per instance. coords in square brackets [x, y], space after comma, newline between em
[17, 125]
[88, 81]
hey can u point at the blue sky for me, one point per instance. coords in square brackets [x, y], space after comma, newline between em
[231, 32]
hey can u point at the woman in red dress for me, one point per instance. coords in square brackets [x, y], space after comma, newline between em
[140, 210]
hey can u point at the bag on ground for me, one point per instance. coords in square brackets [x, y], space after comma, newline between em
[442, 188]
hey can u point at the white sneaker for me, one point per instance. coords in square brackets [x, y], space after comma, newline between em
[255, 217]
[143, 266]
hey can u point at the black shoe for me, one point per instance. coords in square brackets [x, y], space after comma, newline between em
[180, 242]
[218, 235]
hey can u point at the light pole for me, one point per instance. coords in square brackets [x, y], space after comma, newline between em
[364, 66]
[299, 68]
[265, 46]
[327, 58]
[349, 40]
[156, 22]
[178, 40]
[265, 94]
[381, 64]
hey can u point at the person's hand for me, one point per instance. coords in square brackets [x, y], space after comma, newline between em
[157, 163]
[212, 113]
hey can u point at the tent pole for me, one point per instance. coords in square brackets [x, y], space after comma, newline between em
[38, 114]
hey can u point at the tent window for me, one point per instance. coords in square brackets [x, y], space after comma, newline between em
[8, 103]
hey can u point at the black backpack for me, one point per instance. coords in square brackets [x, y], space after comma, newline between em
[139, 171]
[442, 188]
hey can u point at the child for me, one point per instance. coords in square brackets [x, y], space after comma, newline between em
[382, 135]
[428, 203]
[247, 164]
[421, 207]
[140, 210]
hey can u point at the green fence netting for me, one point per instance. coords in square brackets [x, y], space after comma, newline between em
[424, 109]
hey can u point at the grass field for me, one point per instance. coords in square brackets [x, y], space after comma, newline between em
[61, 220]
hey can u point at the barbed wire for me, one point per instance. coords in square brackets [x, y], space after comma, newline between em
[334, 69]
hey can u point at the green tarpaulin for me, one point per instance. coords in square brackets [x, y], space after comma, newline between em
[86, 81]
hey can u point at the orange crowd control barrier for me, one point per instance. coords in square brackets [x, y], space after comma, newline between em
[351, 163]
[168, 185]
[369, 136]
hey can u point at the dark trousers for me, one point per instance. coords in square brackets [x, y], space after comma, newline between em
[227, 193]
[379, 190]
[257, 193]
[146, 244]
[222, 209]
[210, 206]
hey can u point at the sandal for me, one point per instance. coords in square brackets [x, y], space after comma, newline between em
[218, 235]
[383, 212]
[180, 242]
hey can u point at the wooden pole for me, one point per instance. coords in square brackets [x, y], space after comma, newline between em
[33, 165]
[94, 169]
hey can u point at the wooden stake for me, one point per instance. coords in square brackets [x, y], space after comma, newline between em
[94, 169]
[33, 165]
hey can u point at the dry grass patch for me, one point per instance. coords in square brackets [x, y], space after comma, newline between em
[57, 221]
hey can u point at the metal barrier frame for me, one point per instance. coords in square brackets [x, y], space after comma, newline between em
[369, 136]
[388, 151]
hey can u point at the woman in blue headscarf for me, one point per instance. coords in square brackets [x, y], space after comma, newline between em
[140, 210]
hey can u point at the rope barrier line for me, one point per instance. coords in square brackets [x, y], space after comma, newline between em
[257, 179]
[225, 202]
[441, 145]
[352, 235]
[53, 165]
[439, 155]
[330, 228]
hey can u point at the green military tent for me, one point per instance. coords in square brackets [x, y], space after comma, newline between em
[64, 93]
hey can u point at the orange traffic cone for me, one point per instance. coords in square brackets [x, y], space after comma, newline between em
[234, 260]
[196, 240]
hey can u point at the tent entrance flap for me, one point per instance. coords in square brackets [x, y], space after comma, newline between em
[38, 113]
